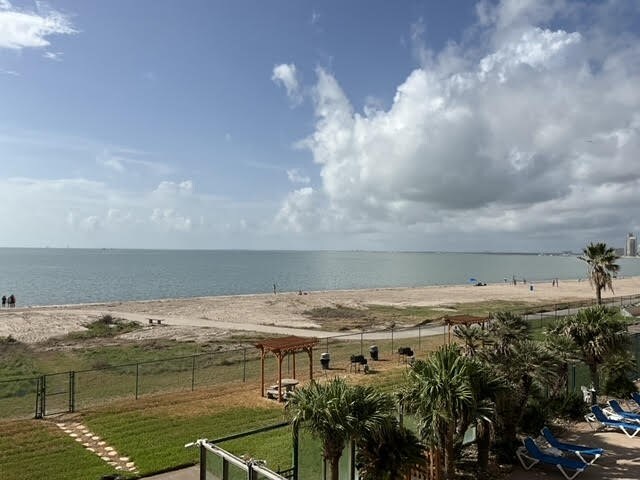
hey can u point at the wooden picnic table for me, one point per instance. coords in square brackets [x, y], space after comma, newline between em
[288, 385]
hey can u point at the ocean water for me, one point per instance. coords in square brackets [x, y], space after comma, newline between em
[62, 276]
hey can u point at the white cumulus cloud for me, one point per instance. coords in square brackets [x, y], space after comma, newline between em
[525, 127]
[295, 176]
[169, 219]
[30, 29]
[287, 76]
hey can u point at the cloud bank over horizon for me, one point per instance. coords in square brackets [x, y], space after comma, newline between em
[516, 129]
[521, 128]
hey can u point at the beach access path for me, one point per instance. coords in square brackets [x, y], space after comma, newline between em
[284, 313]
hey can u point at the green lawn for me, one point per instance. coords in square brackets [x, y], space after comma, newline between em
[155, 441]
[37, 450]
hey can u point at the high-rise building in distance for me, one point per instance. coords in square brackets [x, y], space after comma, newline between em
[632, 246]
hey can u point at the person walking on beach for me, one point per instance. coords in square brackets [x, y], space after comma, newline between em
[4, 300]
[12, 301]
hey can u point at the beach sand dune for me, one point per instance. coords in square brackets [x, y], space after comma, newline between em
[282, 313]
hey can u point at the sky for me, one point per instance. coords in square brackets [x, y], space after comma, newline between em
[509, 125]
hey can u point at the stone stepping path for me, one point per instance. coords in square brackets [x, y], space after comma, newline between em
[96, 445]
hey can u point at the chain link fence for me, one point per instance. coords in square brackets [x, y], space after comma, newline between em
[79, 390]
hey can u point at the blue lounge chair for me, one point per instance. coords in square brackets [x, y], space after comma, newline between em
[578, 450]
[530, 455]
[597, 415]
[618, 410]
[635, 396]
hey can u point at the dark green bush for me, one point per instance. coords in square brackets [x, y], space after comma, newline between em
[617, 372]
[534, 417]
[568, 405]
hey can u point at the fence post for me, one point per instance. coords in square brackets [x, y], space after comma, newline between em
[39, 397]
[203, 462]
[72, 391]
[361, 342]
[137, 372]
[296, 448]
[193, 372]
[244, 364]
[392, 340]
[43, 397]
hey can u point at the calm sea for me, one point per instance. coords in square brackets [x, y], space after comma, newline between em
[61, 276]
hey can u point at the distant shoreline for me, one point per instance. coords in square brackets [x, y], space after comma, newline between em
[315, 292]
[283, 313]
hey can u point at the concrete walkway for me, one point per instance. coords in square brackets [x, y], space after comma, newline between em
[189, 473]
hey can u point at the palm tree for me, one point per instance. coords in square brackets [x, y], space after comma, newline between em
[564, 350]
[438, 391]
[505, 329]
[486, 385]
[524, 364]
[472, 337]
[597, 333]
[601, 262]
[389, 453]
[336, 413]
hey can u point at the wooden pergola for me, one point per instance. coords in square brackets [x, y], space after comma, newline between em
[463, 320]
[281, 347]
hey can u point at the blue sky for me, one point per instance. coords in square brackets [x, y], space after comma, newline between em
[420, 125]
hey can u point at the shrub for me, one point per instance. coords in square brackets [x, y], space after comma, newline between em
[617, 371]
[569, 405]
[107, 319]
[106, 326]
[534, 417]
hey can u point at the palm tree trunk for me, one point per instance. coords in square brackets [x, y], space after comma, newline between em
[483, 442]
[449, 455]
[332, 453]
[335, 468]
[598, 295]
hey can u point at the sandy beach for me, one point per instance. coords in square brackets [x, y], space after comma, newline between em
[192, 318]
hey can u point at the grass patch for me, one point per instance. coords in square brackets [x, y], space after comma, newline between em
[16, 359]
[274, 446]
[33, 450]
[135, 352]
[342, 317]
[153, 430]
[106, 326]
[155, 441]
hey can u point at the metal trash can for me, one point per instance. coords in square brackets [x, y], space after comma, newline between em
[325, 358]
[373, 351]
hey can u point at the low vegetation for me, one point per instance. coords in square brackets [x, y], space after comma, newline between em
[341, 317]
[105, 326]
